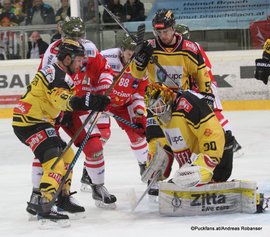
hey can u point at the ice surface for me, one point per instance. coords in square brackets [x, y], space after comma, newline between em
[252, 130]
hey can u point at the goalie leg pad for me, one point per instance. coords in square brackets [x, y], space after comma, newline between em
[209, 199]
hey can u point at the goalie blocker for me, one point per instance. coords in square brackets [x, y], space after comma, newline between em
[209, 199]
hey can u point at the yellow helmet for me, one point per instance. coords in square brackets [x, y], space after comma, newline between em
[159, 100]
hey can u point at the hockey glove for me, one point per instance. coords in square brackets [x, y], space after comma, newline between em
[90, 101]
[143, 56]
[140, 122]
[67, 119]
[200, 172]
[262, 71]
[209, 99]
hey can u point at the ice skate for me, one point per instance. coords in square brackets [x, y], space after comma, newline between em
[237, 150]
[52, 219]
[153, 192]
[85, 182]
[103, 199]
[142, 168]
[67, 204]
[35, 198]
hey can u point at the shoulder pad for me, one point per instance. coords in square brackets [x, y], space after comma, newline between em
[190, 46]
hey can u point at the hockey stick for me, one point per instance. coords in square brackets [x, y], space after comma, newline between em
[133, 125]
[152, 58]
[72, 140]
[153, 180]
[46, 207]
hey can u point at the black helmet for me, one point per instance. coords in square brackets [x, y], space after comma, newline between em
[70, 47]
[163, 19]
[73, 27]
[128, 43]
[183, 30]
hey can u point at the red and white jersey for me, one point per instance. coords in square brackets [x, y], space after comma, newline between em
[128, 90]
[95, 75]
[207, 64]
[49, 56]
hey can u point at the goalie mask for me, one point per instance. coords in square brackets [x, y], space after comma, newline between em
[159, 100]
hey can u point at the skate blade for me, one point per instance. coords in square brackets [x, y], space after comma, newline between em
[86, 188]
[74, 216]
[106, 206]
[45, 224]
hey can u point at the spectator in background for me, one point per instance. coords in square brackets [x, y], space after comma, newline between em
[134, 10]
[63, 11]
[89, 13]
[116, 8]
[40, 14]
[19, 9]
[36, 46]
[58, 35]
[7, 15]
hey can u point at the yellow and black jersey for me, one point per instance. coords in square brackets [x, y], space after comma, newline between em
[47, 95]
[182, 62]
[194, 128]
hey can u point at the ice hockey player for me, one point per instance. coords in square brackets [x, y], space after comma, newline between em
[181, 58]
[262, 71]
[127, 100]
[184, 31]
[194, 136]
[50, 92]
[95, 76]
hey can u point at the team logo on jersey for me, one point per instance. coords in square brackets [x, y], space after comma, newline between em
[175, 138]
[183, 157]
[22, 107]
[36, 139]
[51, 132]
[91, 53]
[49, 72]
[116, 67]
[184, 104]
[174, 73]
[190, 46]
[207, 132]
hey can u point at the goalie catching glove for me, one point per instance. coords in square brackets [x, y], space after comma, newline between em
[200, 171]
[89, 101]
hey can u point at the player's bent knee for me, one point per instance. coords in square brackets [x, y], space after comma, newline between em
[59, 168]
[93, 148]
